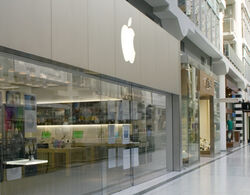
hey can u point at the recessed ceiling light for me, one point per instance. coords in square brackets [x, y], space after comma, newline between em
[43, 76]
[22, 73]
[32, 75]
[10, 87]
[67, 82]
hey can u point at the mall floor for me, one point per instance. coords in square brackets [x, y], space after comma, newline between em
[229, 175]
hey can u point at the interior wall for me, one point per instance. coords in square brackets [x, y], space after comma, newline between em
[205, 119]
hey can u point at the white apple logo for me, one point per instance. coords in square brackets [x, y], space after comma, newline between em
[127, 41]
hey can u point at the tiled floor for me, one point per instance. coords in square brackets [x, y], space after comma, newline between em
[229, 175]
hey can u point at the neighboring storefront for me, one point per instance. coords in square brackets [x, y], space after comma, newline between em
[97, 115]
[190, 114]
[233, 113]
[200, 113]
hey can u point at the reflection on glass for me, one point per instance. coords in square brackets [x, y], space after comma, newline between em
[216, 119]
[149, 130]
[205, 15]
[197, 12]
[209, 23]
[190, 115]
[73, 133]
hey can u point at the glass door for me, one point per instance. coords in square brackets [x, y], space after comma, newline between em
[149, 121]
[116, 136]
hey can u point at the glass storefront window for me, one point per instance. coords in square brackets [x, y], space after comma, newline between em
[116, 134]
[197, 12]
[203, 16]
[217, 36]
[67, 132]
[209, 23]
[214, 23]
[190, 115]
[216, 118]
[149, 130]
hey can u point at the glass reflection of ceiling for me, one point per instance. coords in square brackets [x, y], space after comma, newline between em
[49, 85]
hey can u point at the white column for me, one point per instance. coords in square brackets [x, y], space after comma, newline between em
[246, 128]
[223, 127]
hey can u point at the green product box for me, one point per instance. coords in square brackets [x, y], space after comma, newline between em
[78, 134]
[46, 134]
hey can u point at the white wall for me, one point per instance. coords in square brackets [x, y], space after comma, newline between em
[205, 120]
[86, 34]
[223, 126]
[26, 25]
[69, 32]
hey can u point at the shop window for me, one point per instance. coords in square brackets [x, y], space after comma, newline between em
[82, 131]
[190, 115]
[149, 129]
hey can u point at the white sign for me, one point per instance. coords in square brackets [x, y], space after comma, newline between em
[230, 100]
[111, 158]
[111, 134]
[135, 157]
[14, 173]
[126, 159]
[127, 41]
[125, 134]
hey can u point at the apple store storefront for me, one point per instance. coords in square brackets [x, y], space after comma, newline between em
[66, 129]
[67, 132]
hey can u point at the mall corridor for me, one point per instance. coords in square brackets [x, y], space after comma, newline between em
[124, 97]
[229, 175]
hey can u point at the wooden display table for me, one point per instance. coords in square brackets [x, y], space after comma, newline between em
[67, 152]
[86, 152]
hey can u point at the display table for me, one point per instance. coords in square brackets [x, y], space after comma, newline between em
[26, 162]
[66, 151]
[87, 152]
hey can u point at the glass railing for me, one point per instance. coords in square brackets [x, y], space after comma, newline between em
[247, 72]
[203, 13]
[228, 25]
[246, 32]
[232, 56]
[248, 4]
[246, 59]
